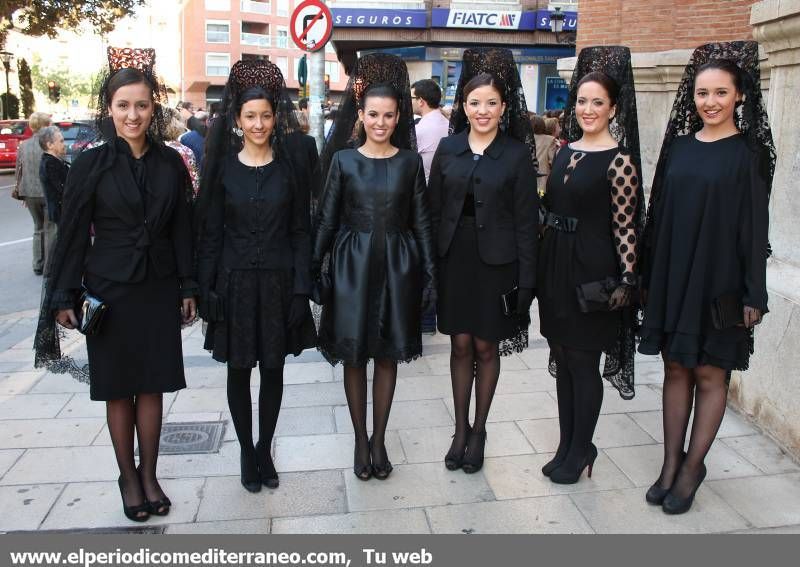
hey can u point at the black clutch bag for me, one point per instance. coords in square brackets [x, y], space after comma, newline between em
[322, 289]
[90, 313]
[594, 296]
[508, 301]
[727, 311]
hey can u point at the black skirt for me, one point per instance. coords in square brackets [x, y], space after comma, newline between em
[138, 348]
[256, 328]
[469, 291]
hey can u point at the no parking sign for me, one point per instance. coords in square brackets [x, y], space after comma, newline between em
[311, 25]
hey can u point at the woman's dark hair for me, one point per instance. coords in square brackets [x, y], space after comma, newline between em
[254, 93]
[724, 65]
[125, 77]
[609, 85]
[381, 90]
[539, 126]
[483, 80]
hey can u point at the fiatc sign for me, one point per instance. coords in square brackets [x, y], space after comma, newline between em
[498, 19]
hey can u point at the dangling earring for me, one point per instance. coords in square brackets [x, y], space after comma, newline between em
[238, 131]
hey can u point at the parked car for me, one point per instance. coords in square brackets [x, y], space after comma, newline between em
[78, 135]
[12, 132]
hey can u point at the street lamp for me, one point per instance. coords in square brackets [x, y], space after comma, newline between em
[5, 56]
[557, 26]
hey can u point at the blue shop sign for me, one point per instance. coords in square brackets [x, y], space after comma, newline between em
[483, 19]
[522, 55]
[543, 20]
[375, 18]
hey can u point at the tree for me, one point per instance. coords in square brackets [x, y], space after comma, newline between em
[25, 87]
[11, 103]
[46, 17]
[73, 84]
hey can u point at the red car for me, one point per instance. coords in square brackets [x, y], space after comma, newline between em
[12, 132]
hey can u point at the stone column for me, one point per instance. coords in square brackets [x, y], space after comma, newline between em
[770, 390]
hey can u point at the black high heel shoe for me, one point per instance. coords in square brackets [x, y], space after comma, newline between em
[250, 478]
[473, 456]
[656, 493]
[674, 505]
[561, 475]
[553, 463]
[137, 513]
[380, 470]
[454, 457]
[363, 471]
[158, 507]
[266, 468]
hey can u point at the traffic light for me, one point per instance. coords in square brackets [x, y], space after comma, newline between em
[53, 91]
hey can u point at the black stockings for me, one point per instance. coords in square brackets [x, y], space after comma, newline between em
[355, 387]
[471, 357]
[580, 395]
[708, 385]
[140, 415]
[269, 405]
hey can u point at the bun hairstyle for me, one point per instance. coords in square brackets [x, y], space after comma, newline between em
[484, 80]
[609, 85]
[381, 90]
[729, 67]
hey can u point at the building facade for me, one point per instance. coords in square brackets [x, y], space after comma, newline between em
[662, 34]
[217, 33]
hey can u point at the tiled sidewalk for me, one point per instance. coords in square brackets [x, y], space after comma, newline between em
[57, 470]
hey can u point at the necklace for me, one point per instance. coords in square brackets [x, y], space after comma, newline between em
[370, 155]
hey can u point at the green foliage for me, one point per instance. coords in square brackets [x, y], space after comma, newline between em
[11, 104]
[46, 17]
[26, 87]
[73, 84]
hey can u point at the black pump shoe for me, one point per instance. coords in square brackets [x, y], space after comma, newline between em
[137, 513]
[656, 493]
[158, 507]
[363, 471]
[250, 477]
[563, 476]
[674, 505]
[266, 468]
[553, 464]
[380, 470]
[454, 458]
[473, 456]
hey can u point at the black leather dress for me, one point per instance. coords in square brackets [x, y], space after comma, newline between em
[375, 223]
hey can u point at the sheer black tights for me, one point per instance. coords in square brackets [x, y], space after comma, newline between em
[579, 387]
[384, 380]
[269, 405]
[708, 386]
[472, 358]
[141, 416]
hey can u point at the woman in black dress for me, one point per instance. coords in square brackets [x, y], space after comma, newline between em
[707, 251]
[484, 206]
[374, 225]
[136, 194]
[53, 170]
[253, 255]
[594, 216]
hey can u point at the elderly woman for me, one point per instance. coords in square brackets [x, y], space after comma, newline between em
[175, 129]
[53, 170]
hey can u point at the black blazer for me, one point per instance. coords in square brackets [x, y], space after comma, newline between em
[506, 200]
[302, 150]
[53, 175]
[135, 229]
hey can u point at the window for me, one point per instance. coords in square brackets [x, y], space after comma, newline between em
[283, 7]
[218, 32]
[332, 70]
[256, 7]
[282, 39]
[283, 65]
[218, 5]
[218, 64]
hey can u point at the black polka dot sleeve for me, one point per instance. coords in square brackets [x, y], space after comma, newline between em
[624, 181]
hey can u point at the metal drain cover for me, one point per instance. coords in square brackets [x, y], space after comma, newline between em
[191, 437]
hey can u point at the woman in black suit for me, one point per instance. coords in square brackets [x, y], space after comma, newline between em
[253, 258]
[136, 194]
[484, 208]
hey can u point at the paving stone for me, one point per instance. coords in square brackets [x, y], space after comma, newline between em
[63, 464]
[25, 506]
[18, 382]
[323, 394]
[642, 464]
[59, 384]
[413, 486]
[418, 367]
[547, 515]
[223, 463]
[404, 415]
[649, 372]
[396, 522]
[307, 373]
[300, 494]
[524, 381]
[193, 400]
[7, 458]
[99, 505]
[423, 388]
[767, 501]
[781, 530]
[192, 417]
[646, 399]
[29, 433]
[613, 430]
[430, 445]
[626, 511]
[733, 424]
[320, 452]
[32, 406]
[81, 406]
[537, 358]
[305, 421]
[513, 407]
[521, 477]
[233, 527]
[764, 453]
[206, 377]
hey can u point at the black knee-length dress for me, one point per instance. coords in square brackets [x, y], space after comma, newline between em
[709, 239]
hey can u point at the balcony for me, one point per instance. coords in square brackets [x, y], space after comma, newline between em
[256, 39]
[255, 7]
[282, 41]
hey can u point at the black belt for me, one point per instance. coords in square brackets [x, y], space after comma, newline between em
[562, 223]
